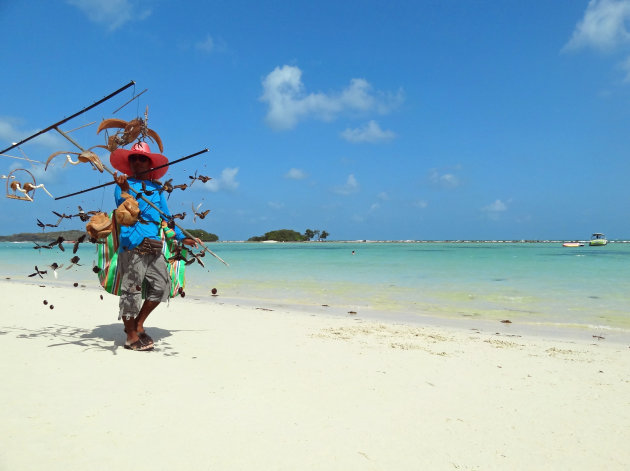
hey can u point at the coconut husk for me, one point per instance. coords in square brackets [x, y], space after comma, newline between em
[128, 211]
[99, 226]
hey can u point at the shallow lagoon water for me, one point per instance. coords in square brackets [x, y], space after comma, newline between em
[530, 283]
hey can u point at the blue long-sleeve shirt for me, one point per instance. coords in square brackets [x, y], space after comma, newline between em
[132, 236]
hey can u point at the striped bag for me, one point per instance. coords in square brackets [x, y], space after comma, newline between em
[107, 261]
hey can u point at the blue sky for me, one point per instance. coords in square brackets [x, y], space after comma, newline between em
[436, 119]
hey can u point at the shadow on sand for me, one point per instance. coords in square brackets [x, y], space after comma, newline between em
[108, 337]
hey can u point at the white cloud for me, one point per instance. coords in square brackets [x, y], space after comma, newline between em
[111, 13]
[602, 27]
[351, 186]
[207, 45]
[10, 132]
[421, 204]
[211, 45]
[39, 173]
[371, 132]
[275, 204]
[295, 174]
[289, 103]
[497, 206]
[383, 196]
[624, 66]
[37, 150]
[227, 181]
[258, 219]
[493, 210]
[446, 180]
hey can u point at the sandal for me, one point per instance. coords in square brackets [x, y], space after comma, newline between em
[138, 346]
[144, 337]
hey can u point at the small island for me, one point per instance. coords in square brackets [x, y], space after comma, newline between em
[288, 235]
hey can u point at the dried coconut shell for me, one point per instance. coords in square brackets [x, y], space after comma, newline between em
[99, 226]
[128, 211]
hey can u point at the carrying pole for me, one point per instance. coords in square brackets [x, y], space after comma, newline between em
[69, 118]
[141, 173]
[188, 234]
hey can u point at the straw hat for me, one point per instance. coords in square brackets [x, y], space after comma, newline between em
[120, 160]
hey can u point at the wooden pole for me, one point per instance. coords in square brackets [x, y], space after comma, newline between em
[150, 170]
[69, 118]
[105, 167]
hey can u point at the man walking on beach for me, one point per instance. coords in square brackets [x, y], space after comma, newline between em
[140, 256]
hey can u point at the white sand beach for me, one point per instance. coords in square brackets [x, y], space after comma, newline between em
[242, 388]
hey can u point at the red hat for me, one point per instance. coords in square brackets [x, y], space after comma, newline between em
[120, 160]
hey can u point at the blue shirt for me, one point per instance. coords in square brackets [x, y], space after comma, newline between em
[132, 236]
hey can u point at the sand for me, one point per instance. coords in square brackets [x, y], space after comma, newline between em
[233, 387]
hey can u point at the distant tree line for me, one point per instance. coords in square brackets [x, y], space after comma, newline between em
[75, 234]
[203, 235]
[280, 235]
[319, 235]
[288, 235]
[42, 236]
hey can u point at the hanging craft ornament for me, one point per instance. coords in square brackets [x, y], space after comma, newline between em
[56, 125]
[139, 195]
[99, 226]
[128, 132]
[87, 156]
[128, 211]
[24, 190]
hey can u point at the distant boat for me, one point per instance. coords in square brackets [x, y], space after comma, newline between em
[573, 244]
[598, 239]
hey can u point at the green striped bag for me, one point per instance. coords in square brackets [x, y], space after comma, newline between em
[107, 261]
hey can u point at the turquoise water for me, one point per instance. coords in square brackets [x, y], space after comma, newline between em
[535, 283]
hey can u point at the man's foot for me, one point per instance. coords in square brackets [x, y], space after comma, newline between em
[138, 346]
[145, 339]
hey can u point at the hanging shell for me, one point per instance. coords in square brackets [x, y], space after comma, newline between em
[128, 132]
[85, 156]
[99, 226]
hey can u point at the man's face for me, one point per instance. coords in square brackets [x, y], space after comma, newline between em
[139, 163]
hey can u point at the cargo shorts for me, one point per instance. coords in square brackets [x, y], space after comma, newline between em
[138, 267]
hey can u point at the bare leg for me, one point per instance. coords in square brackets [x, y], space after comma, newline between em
[130, 328]
[147, 308]
[135, 327]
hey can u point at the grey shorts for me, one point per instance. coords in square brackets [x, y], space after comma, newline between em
[138, 268]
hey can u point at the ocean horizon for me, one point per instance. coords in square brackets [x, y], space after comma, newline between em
[536, 284]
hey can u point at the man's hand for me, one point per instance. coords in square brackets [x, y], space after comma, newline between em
[191, 242]
[121, 180]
